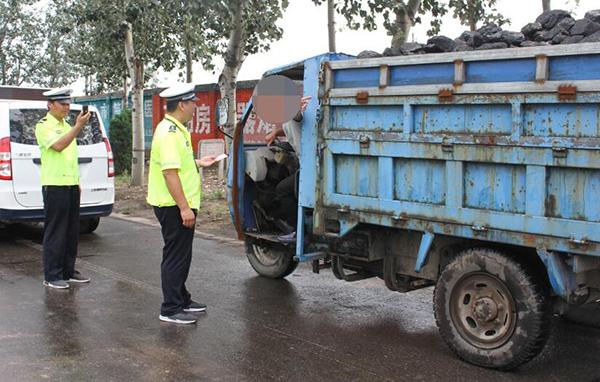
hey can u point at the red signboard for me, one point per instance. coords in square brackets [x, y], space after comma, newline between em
[203, 124]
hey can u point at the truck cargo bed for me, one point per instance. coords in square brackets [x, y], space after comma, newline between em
[494, 145]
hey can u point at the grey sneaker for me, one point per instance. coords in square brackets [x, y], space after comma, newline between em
[287, 239]
[179, 318]
[58, 284]
[195, 307]
[78, 278]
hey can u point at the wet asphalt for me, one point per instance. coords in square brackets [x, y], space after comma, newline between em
[305, 328]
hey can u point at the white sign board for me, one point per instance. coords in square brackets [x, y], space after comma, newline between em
[148, 108]
[213, 147]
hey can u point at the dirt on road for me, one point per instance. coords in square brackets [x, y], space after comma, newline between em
[213, 217]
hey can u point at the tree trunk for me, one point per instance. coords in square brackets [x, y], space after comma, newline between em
[472, 15]
[331, 24]
[188, 62]
[405, 17]
[189, 59]
[125, 93]
[234, 57]
[136, 70]
[546, 5]
[137, 125]
[18, 80]
[472, 25]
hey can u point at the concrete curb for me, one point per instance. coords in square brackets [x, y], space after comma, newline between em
[203, 235]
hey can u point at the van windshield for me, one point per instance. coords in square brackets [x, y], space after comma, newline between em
[23, 121]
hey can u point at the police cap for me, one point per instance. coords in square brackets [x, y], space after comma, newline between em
[180, 92]
[62, 95]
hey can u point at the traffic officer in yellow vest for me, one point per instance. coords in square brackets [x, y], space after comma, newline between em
[174, 191]
[60, 189]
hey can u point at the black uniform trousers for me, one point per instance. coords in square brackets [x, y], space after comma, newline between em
[287, 201]
[61, 231]
[176, 261]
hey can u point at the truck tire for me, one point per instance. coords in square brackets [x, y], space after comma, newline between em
[88, 225]
[270, 262]
[490, 310]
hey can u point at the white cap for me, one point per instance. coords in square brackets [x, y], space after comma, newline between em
[62, 94]
[179, 92]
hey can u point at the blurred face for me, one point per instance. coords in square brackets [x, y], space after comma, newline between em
[59, 110]
[187, 110]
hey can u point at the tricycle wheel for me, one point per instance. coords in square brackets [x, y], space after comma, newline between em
[270, 261]
[490, 309]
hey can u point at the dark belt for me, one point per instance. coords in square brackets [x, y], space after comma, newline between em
[193, 209]
[57, 187]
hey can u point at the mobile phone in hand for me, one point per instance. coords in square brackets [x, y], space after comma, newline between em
[85, 109]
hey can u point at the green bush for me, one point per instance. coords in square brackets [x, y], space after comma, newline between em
[120, 141]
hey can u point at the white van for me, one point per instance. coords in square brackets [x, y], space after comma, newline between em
[20, 188]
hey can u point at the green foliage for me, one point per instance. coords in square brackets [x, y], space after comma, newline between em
[123, 179]
[165, 34]
[31, 46]
[472, 12]
[259, 22]
[98, 27]
[192, 40]
[17, 19]
[120, 141]
[364, 13]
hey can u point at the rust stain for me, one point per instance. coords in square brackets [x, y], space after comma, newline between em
[550, 205]
[487, 140]
[529, 240]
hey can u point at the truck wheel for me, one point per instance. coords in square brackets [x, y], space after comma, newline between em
[270, 262]
[88, 225]
[490, 310]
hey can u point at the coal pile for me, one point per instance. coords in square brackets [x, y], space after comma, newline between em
[550, 28]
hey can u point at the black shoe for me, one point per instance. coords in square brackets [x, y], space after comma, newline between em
[78, 278]
[195, 307]
[179, 318]
[58, 284]
[284, 227]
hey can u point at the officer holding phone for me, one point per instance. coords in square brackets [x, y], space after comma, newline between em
[60, 189]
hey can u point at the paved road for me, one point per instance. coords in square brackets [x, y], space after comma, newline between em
[306, 328]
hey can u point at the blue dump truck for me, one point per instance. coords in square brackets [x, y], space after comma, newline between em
[474, 172]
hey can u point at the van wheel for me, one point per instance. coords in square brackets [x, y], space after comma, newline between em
[490, 310]
[88, 225]
[270, 261]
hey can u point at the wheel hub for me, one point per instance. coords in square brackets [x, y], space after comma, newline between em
[485, 309]
[266, 256]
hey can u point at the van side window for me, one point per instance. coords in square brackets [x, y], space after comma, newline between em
[22, 125]
[23, 121]
[91, 133]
